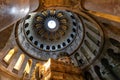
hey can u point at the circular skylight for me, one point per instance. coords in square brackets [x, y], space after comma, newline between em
[51, 24]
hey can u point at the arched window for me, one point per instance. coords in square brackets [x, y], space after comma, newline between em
[89, 45]
[28, 66]
[97, 42]
[110, 68]
[79, 59]
[92, 29]
[113, 55]
[19, 62]
[86, 54]
[10, 54]
[88, 76]
[97, 70]
[115, 42]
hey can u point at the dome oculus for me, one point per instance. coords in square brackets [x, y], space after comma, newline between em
[51, 24]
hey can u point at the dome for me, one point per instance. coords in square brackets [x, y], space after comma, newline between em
[75, 33]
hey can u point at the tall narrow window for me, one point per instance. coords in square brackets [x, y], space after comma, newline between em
[28, 66]
[79, 59]
[19, 62]
[10, 54]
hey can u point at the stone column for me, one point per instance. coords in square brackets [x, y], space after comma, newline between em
[5, 50]
[32, 67]
[21, 71]
[13, 61]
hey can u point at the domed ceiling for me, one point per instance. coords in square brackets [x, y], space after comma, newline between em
[44, 34]
[61, 28]
[47, 32]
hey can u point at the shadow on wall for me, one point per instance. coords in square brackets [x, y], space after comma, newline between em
[109, 68]
[88, 76]
[113, 55]
[97, 70]
[4, 36]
